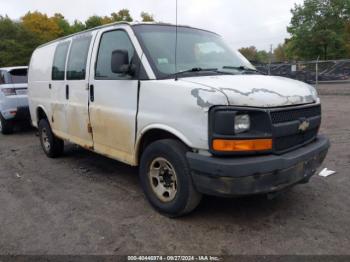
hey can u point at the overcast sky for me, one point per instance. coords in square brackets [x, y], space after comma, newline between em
[242, 23]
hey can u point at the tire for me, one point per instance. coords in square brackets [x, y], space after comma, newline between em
[53, 147]
[164, 167]
[6, 126]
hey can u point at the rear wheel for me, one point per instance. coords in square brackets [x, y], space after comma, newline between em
[6, 126]
[166, 178]
[52, 146]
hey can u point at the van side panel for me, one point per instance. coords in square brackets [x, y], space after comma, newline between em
[39, 77]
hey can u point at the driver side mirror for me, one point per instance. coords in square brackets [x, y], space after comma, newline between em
[120, 62]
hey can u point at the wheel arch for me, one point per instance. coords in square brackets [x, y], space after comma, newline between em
[154, 133]
[40, 113]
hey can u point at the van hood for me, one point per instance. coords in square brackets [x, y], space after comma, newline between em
[258, 90]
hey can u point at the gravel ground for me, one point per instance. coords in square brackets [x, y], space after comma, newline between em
[84, 203]
[334, 89]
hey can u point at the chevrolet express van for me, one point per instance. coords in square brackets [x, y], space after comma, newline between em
[204, 123]
[13, 98]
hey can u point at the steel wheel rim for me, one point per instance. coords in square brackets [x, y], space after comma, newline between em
[45, 140]
[163, 179]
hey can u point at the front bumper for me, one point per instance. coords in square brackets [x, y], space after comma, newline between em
[241, 176]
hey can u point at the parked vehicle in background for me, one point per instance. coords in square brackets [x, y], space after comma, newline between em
[206, 124]
[328, 71]
[13, 97]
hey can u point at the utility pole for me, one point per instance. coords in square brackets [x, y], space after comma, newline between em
[270, 58]
[317, 61]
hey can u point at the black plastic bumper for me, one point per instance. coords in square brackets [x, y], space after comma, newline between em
[259, 174]
[22, 114]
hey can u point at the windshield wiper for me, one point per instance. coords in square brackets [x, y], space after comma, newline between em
[198, 69]
[241, 68]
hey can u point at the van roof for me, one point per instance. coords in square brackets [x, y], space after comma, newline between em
[8, 69]
[119, 23]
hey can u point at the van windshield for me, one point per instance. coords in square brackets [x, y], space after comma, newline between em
[198, 52]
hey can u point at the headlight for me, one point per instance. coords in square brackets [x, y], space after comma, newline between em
[242, 123]
[314, 93]
[239, 130]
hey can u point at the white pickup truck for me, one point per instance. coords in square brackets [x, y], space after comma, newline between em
[204, 123]
[13, 97]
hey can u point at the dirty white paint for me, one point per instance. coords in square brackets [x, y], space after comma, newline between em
[171, 105]
[119, 122]
[39, 76]
[258, 90]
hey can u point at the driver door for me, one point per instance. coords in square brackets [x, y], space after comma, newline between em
[113, 98]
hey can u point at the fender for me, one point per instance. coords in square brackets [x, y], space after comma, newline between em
[166, 128]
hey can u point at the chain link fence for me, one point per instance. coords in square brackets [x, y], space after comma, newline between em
[312, 72]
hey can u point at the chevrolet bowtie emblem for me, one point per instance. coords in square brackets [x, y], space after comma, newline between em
[304, 125]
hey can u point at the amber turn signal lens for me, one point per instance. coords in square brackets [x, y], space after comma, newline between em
[242, 145]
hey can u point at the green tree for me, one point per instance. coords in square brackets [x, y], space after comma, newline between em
[18, 39]
[262, 56]
[279, 53]
[249, 52]
[107, 20]
[253, 55]
[16, 43]
[347, 39]
[62, 23]
[122, 15]
[317, 29]
[77, 26]
[45, 28]
[93, 21]
[146, 17]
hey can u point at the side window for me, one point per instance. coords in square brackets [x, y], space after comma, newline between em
[2, 78]
[76, 68]
[5, 78]
[111, 41]
[59, 61]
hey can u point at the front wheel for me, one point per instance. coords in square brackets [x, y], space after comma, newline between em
[52, 146]
[166, 178]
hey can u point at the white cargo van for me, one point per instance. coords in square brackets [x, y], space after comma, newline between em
[204, 123]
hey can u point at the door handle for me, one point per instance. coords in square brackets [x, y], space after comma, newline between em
[92, 93]
[67, 92]
[50, 86]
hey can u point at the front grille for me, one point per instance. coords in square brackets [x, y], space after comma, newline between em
[289, 142]
[285, 119]
[295, 114]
